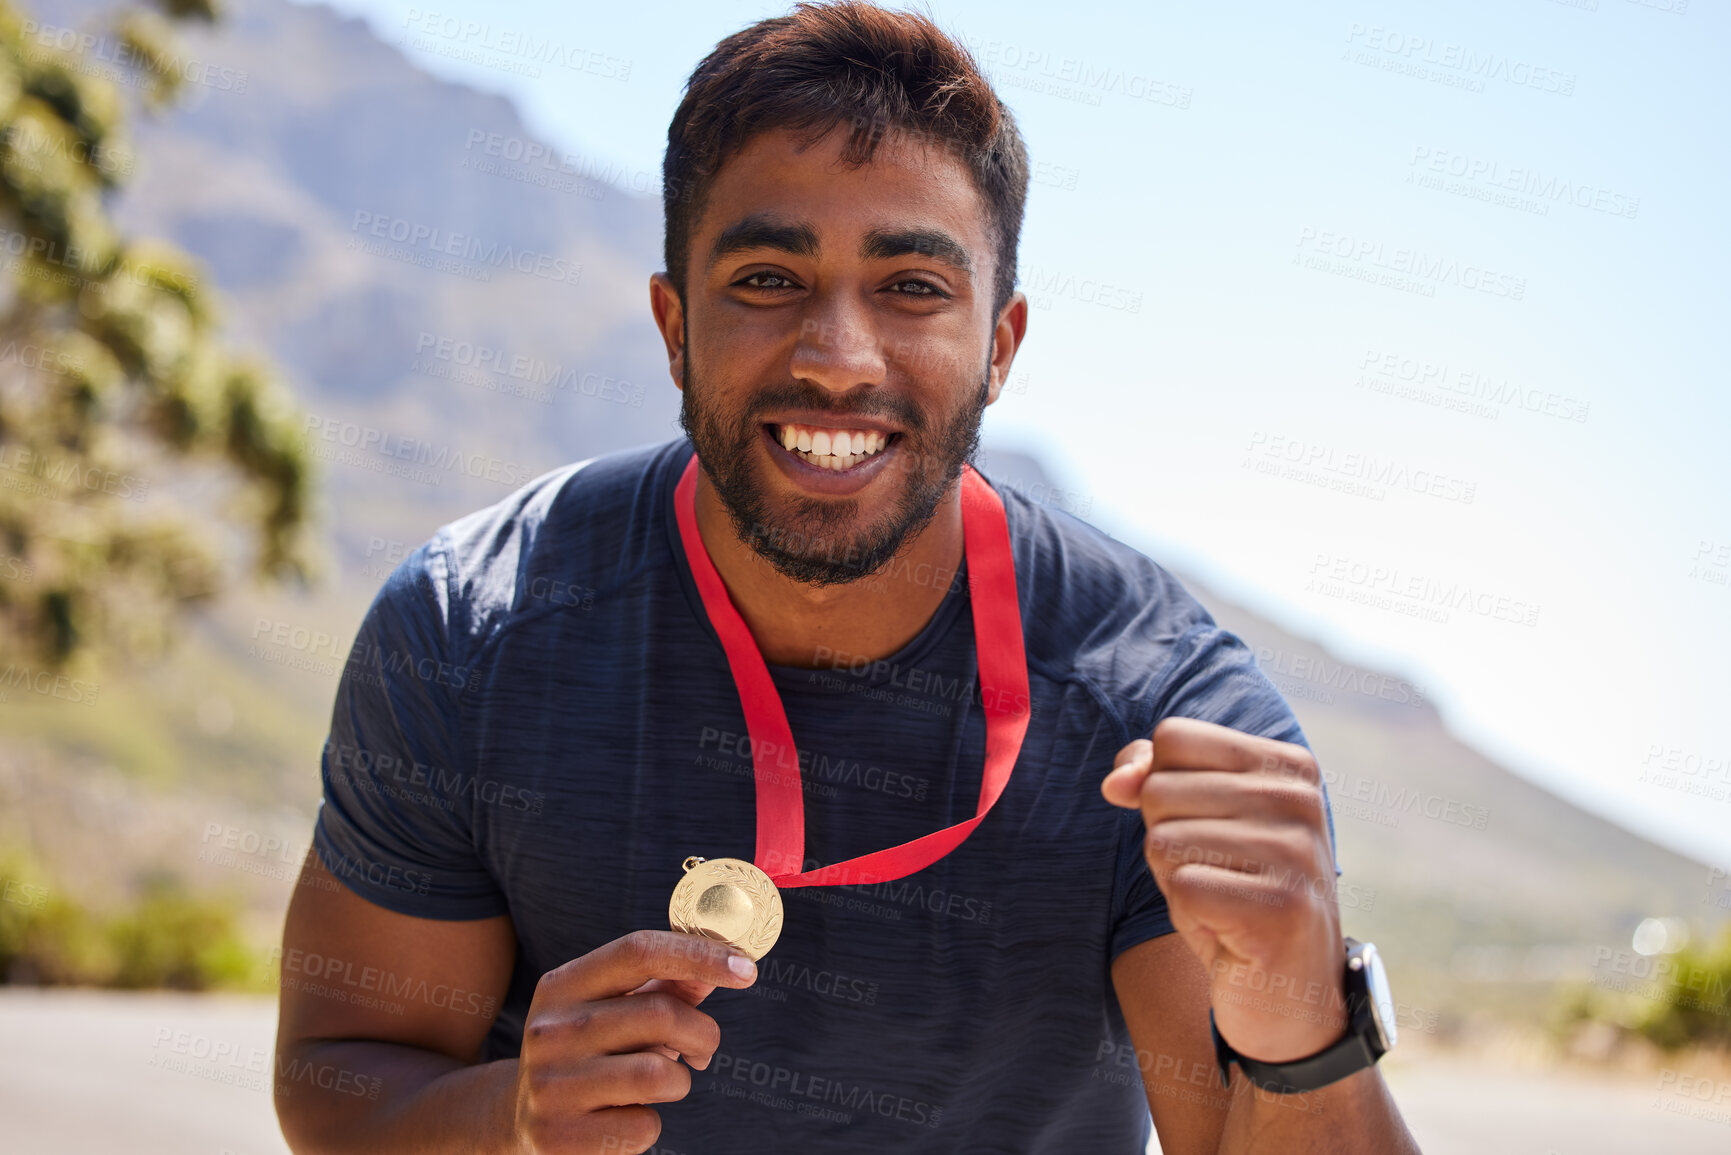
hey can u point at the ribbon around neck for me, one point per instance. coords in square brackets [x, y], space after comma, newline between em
[1003, 694]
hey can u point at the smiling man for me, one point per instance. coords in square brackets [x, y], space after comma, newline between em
[1024, 846]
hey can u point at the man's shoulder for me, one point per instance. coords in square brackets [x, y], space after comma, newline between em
[554, 543]
[1099, 611]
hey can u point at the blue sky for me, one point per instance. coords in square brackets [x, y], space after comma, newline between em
[1395, 321]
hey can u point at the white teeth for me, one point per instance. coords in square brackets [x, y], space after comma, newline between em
[833, 448]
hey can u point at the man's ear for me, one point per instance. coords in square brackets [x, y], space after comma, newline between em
[669, 313]
[1006, 339]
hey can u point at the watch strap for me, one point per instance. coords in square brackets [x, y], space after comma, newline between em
[1349, 1054]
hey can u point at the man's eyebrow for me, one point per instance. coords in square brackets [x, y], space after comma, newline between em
[884, 244]
[762, 232]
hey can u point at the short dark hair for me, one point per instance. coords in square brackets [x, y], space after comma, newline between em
[883, 73]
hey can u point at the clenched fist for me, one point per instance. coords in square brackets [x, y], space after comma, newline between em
[1238, 843]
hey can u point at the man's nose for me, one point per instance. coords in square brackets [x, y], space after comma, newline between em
[838, 348]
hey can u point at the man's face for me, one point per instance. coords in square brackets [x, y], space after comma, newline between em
[836, 346]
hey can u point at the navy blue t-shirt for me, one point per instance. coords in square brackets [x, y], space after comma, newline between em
[537, 720]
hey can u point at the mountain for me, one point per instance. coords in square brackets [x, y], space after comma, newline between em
[368, 228]
[456, 322]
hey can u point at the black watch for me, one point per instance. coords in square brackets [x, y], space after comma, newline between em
[1370, 1034]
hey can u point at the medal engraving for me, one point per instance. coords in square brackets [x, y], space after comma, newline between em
[730, 901]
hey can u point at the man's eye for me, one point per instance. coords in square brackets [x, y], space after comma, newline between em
[765, 281]
[918, 289]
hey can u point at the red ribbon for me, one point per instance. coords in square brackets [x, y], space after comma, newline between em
[1003, 693]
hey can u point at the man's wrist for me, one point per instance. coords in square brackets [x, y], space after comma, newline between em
[1286, 1014]
[500, 1112]
[1368, 1034]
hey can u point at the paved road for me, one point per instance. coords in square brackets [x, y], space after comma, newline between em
[140, 1074]
[157, 1074]
[1456, 1107]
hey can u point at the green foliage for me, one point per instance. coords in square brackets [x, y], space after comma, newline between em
[174, 939]
[206, 10]
[1696, 1008]
[168, 938]
[110, 364]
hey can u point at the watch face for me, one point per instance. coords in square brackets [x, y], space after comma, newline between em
[1381, 998]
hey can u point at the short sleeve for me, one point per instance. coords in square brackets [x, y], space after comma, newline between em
[1216, 679]
[1213, 677]
[1138, 908]
[394, 825]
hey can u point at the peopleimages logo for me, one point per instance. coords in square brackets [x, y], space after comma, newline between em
[34, 254]
[389, 876]
[797, 975]
[1422, 267]
[390, 447]
[815, 768]
[792, 1090]
[1401, 374]
[1547, 188]
[533, 154]
[1416, 52]
[125, 64]
[1345, 788]
[1414, 594]
[524, 50]
[421, 782]
[1073, 77]
[523, 367]
[32, 146]
[48, 683]
[465, 247]
[1045, 284]
[1318, 670]
[1276, 449]
[388, 984]
[67, 472]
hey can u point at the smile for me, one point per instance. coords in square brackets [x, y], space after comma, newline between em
[833, 448]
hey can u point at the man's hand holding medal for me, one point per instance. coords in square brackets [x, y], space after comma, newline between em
[604, 1035]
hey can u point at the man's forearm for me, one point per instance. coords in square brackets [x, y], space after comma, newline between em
[1355, 1116]
[349, 1097]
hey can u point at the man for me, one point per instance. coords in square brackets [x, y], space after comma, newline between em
[831, 642]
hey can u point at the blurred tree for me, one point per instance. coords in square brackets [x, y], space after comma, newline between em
[1696, 1008]
[109, 362]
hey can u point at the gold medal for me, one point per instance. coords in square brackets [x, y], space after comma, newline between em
[729, 900]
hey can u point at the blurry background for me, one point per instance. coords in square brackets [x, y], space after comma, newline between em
[1389, 327]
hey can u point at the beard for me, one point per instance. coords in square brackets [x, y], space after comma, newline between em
[817, 541]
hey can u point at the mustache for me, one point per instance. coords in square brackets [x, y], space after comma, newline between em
[799, 395]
